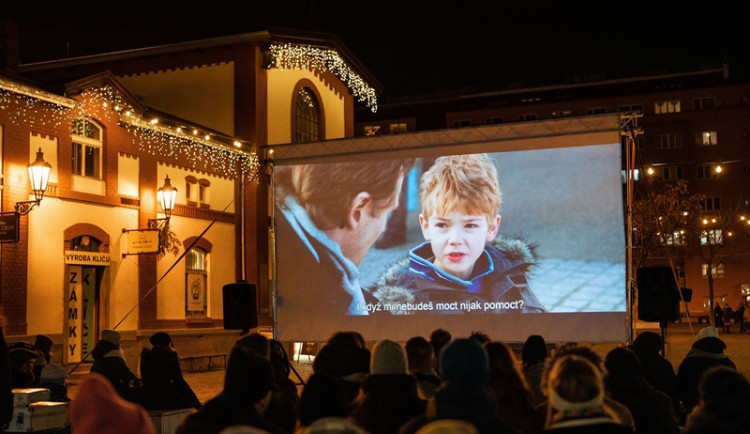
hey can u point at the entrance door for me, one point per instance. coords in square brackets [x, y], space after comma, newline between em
[84, 282]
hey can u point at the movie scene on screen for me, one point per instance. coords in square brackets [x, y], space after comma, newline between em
[475, 235]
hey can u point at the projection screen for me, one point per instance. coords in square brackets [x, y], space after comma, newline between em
[543, 255]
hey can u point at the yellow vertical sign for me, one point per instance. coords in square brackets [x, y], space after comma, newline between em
[74, 324]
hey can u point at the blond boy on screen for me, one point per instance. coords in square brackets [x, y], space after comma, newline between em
[463, 266]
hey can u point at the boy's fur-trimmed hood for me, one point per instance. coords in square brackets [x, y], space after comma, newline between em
[392, 287]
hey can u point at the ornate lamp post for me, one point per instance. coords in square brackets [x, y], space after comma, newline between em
[38, 176]
[166, 195]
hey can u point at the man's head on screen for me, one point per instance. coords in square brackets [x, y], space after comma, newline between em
[349, 201]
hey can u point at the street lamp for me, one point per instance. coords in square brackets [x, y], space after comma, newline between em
[38, 176]
[166, 195]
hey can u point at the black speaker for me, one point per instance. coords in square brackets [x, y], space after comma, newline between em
[658, 299]
[240, 306]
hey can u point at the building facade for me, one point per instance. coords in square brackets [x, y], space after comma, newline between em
[115, 127]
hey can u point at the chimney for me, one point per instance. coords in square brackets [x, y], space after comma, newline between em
[8, 45]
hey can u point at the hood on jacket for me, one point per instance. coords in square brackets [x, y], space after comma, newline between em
[710, 345]
[102, 348]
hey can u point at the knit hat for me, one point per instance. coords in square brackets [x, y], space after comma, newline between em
[20, 352]
[43, 343]
[465, 361]
[160, 339]
[99, 409]
[388, 357]
[53, 374]
[111, 336]
[707, 332]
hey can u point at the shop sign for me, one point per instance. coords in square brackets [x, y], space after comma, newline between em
[139, 241]
[9, 227]
[78, 257]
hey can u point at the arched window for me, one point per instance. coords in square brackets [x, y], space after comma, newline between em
[307, 117]
[195, 282]
[87, 149]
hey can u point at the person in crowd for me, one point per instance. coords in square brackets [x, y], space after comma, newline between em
[388, 396]
[728, 318]
[509, 390]
[164, 388]
[464, 369]
[53, 377]
[247, 391]
[482, 337]
[98, 408]
[330, 216]
[6, 394]
[624, 382]
[533, 356]
[284, 405]
[723, 405]
[746, 315]
[21, 357]
[343, 358]
[322, 398]
[617, 411]
[110, 362]
[576, 397]
[707, 351]
[657, 370]
[256, 342]
[462, 259]
[741, 316]
[43, 345]
[439, 338]
[422, 365]
[718, 316]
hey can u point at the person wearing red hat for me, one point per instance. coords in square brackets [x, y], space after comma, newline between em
[97, 408]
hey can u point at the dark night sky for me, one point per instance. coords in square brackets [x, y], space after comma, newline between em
[415, 47]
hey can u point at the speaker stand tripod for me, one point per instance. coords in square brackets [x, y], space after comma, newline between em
[663, 327]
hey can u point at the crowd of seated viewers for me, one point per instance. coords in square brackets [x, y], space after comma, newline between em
[435, 384]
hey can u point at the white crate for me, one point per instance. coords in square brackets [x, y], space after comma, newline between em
[24, 397]
[39, 416]
[167, 421]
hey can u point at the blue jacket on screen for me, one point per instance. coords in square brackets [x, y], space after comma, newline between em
[498, 284]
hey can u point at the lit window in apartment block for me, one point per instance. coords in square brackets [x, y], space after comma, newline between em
[664, 107]
[716, 271]
[706, 138]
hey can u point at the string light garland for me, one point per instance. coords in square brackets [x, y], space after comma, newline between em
[288, 56]
[33, 107]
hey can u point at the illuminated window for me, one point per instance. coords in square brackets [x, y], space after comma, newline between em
[596, 110]
[706, 138]
[399, 127]
[87, 149]
[562, 113]
[669, 140]
[711, 236]
[527, 117]
[708, 103]
[196, 266]
[663, 107]
[307, 117]
[371, 130]
[716, 271]
[462, 123]
[711, 203]
[676, 239]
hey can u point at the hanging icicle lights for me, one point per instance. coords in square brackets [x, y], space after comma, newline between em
[24, 104]
[288, 56]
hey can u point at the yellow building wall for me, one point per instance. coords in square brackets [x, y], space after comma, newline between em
[204, 94]
[170, 299]
[220, 192]
[46, 269]
[127, 176]
[281, 85]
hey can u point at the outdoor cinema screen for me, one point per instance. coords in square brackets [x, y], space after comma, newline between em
[508, 238]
